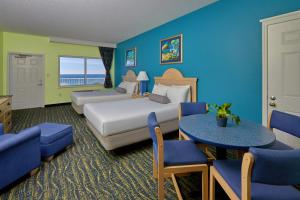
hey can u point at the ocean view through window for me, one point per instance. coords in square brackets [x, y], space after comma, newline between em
[78, 71]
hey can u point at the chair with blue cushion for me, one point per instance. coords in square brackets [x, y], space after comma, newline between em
[20, 154]
[191, 108]
[263, 174]
[284, 122]
[175, 157]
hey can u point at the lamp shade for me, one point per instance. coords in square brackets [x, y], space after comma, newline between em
[142, 76]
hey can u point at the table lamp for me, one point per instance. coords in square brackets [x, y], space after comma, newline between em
[143, 79]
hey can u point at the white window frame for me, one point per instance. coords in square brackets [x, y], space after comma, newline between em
[85, 71]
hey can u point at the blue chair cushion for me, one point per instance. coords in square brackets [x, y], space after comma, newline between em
[277, 145]
[276, 167]
[51, 132]
[285, 122]
[182, 152]
[193, 108]
[230, 170]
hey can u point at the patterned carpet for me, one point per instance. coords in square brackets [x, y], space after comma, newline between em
[86, 170]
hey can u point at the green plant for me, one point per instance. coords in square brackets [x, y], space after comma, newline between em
[223, 111]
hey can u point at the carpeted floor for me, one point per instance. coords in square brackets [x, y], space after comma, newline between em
[86, 170]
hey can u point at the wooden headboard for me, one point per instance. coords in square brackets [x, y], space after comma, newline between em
[130, 76]
[174, 77]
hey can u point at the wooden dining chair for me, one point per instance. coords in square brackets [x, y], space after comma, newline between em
[193, 108]
[173, 157]
[262, 174]
[284, 122]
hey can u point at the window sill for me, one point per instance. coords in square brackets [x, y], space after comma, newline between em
[80, 86]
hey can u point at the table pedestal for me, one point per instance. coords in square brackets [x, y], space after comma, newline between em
[221, 153]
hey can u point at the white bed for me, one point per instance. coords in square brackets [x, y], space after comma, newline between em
[124, 122]
[80, 98]
[121, 116]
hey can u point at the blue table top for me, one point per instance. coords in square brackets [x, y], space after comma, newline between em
[203, 128]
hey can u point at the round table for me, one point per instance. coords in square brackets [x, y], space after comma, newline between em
[203, 128]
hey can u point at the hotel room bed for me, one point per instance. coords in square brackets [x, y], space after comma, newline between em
[119, 123]
[112, 121]
[93, 96]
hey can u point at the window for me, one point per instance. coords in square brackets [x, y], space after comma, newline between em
[76, 71]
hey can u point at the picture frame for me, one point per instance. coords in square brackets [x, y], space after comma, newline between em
[171, 50]
[130, 57]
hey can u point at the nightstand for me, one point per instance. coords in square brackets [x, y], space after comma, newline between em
[6, 112]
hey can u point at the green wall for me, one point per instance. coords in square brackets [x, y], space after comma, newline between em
[31, 44]
[1, 61]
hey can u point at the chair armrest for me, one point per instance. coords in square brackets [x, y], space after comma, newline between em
[20, 138]
[1, 129]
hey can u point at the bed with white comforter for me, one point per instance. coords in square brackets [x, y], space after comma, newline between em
[126, 115]
[119, 123]
[124, 122]
[96, 96]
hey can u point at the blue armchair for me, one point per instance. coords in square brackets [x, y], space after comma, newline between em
[19, 154]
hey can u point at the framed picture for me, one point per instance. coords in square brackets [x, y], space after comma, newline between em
[171, 50]
[130, 57]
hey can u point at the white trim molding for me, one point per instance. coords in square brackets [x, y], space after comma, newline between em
[265, 23]
[81, 42]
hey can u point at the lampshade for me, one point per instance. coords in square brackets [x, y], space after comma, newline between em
[142, 76]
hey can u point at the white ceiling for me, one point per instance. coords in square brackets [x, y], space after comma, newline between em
[109, 21]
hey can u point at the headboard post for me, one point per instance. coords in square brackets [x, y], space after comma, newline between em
[174, 77]
[130, 76]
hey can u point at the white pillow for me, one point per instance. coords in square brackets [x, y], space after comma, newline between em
[130, 87]
[123, 84]
[188, 99]
[160, 89]
[177, 94]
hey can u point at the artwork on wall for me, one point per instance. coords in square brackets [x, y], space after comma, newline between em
[130, 57]
[171, 50]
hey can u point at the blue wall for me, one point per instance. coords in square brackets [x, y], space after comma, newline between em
[221, 46]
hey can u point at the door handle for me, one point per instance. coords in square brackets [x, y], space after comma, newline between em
[272, 104]
[40, 83]
[273, 98]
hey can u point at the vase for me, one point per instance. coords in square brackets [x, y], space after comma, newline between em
[222, 122]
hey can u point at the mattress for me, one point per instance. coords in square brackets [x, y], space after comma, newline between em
[81, 98]
[111, 118]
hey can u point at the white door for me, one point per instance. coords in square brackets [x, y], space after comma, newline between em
[284, 71]
[26, 81]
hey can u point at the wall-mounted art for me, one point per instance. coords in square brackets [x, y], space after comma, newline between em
[130, 57]
[171, 50]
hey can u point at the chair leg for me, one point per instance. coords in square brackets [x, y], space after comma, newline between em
[179, 136]
[212, 185]
[161, 190]
[34, 171]
[205, 184]
[179, 196]
[154, 167]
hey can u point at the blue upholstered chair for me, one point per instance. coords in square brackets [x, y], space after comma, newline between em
[263, 174]
[19, 154]
[191, 108]
[175, 156]
[284, 122]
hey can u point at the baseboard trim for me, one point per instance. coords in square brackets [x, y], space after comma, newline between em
[58, 104]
